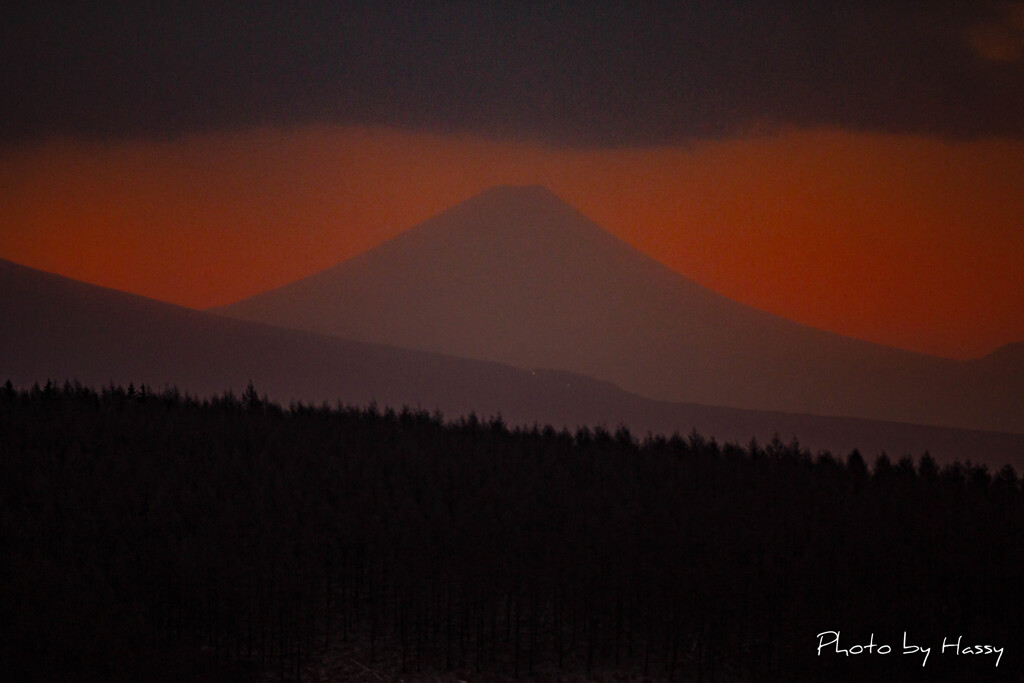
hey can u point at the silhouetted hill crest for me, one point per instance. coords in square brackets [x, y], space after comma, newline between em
[52, 327]
[1014, 351]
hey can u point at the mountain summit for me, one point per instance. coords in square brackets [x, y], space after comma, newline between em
[518, 276]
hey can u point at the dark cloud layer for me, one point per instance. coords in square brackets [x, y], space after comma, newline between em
[597, 73]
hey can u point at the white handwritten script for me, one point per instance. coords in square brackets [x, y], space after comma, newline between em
[829, 644]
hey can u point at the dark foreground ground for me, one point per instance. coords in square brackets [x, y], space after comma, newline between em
[154, 536]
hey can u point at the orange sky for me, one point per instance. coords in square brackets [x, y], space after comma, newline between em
[901, 240]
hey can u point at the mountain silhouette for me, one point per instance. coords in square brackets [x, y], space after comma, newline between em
[52, 327]
[517, 276]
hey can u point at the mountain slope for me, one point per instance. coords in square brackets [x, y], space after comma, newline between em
[515, 275]
[55, 328]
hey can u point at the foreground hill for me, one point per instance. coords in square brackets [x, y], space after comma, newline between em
[160, 538]
[52, 327]
[516, 276]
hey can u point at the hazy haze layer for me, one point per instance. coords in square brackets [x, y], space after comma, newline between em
[55, 328]
[515, 275]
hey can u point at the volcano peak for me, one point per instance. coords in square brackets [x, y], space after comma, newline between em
[518, 276]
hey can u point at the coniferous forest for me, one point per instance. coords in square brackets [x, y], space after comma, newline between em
[159, 536]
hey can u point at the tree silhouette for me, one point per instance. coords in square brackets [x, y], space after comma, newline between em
[227, 538]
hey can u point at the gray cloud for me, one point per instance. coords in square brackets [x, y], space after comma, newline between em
[597, 74]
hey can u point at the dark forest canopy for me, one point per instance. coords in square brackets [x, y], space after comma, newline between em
[151, 534]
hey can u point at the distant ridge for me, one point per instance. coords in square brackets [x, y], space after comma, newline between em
[1012, 352]
[517, 276]
[55, 328]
